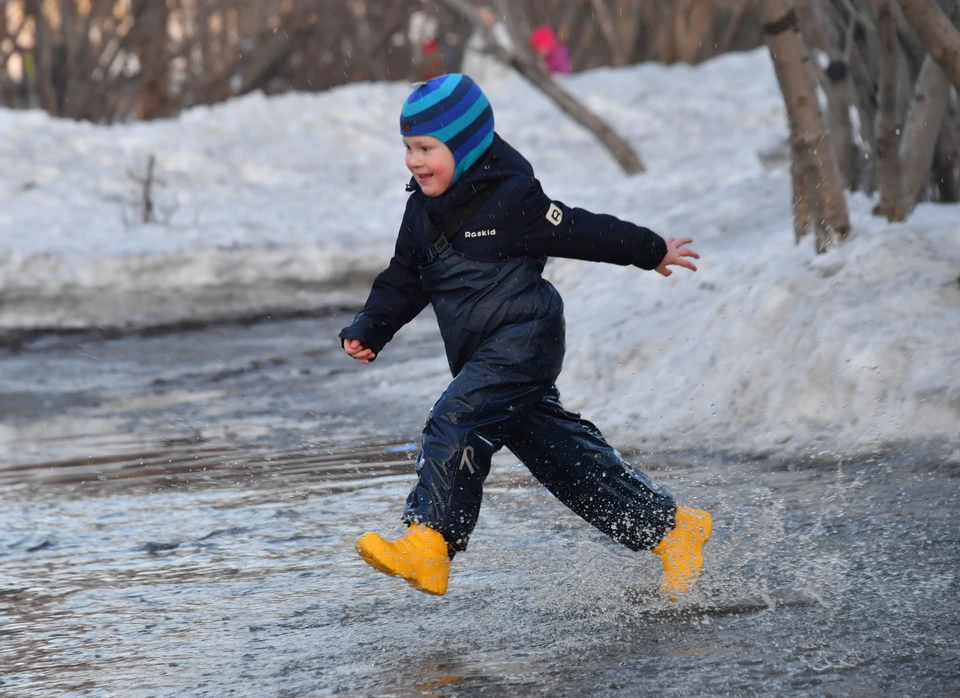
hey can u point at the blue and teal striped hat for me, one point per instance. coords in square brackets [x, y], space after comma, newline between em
[453, 109]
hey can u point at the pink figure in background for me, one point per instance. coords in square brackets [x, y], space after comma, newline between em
[554, 52]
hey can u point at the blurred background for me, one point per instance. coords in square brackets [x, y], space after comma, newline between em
[118, 60]
[109, 60]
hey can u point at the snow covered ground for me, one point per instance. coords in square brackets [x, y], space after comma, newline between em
[292, 202]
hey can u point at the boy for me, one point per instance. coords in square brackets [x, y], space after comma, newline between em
[473, 242]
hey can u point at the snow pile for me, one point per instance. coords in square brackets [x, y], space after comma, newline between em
[772, 348]
[293, 202]
[264, 205]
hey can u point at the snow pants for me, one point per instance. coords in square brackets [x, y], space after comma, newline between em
[503, 395]
[566, 453]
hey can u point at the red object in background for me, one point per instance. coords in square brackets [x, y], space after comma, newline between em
[543, 40]
[432, 65]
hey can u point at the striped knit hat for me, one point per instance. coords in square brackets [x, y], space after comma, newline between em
[453, 109]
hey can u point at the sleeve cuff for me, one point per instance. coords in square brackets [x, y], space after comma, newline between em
[652, 252]
[365, 329]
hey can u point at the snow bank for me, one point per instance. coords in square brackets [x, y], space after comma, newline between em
[292, 203]
[770, 348]
[265, 204]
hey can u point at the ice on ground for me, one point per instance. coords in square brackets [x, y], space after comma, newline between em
[293, 202]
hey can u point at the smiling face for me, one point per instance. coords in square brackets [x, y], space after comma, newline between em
[430, 162]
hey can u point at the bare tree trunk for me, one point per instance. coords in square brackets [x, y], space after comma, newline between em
[584, 45]
[888, 128]
[609, 31]
[921, 131]
[573, 17]
[200, 59]
[912, 47]
[835, 83]
[837, 87]
[946, 161]
[810, 138]
[663, 35]
[801, 200]
[864, 86]
[43, 53]
[527, 66]
[937, 33]
[630, 28]
[8, 92]
[359, 13]
[268, 57]
[153, 53]
[226, 45]
[740, 11]
[693, 24]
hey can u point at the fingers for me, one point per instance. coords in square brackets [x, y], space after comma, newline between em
[675, 261]
[355, 348]
[676, 252]
[677, 246]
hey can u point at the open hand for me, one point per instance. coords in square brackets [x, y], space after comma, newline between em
[675, 255]
[356, 349]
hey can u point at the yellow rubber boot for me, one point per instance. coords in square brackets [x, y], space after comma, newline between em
[681, 551]
[420, 557]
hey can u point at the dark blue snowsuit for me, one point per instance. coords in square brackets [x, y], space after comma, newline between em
[503, 330]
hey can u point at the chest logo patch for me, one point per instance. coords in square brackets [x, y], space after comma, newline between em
[480, 233]
[554, 214]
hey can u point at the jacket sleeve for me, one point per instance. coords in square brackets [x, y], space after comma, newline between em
[550, 228]
[396, 298]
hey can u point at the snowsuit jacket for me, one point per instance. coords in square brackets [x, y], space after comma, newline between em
[519, 220]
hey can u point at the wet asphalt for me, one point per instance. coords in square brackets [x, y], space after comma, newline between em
[177, 515]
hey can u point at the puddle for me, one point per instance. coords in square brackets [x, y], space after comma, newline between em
[172, 539]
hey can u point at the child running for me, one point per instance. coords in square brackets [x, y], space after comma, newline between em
[473, 242]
